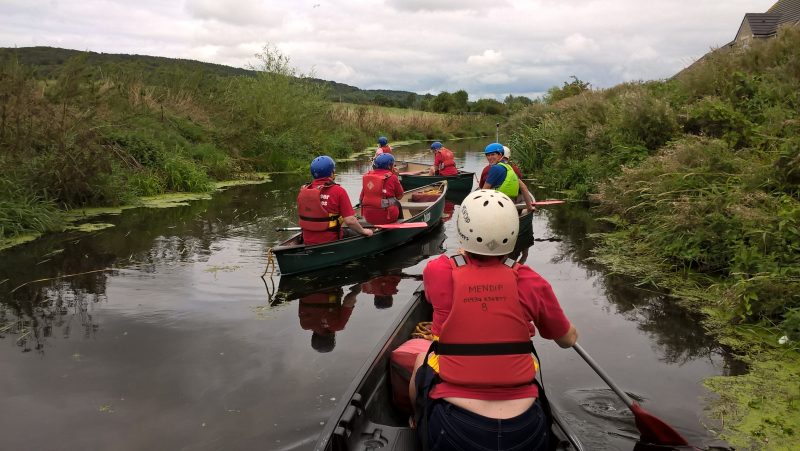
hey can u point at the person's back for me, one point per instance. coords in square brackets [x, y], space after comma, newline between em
[383, 146]
[381, 191]
[483, 307]
[323, 206]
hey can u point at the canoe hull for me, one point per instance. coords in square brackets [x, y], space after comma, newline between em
[457, 185]
[298, 258]
[365, 415]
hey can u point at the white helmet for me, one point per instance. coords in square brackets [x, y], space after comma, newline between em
[506, 152]
[488, 223]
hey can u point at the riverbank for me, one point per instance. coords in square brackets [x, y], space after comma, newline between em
[698, 176]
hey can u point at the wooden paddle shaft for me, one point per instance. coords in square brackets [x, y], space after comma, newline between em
[624, 396]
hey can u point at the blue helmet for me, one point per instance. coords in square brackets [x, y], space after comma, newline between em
[382, 141]
[322, 166]
[494, 148]
[436, 145]
[383, 161]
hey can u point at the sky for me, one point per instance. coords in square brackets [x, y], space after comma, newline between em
[489, 48]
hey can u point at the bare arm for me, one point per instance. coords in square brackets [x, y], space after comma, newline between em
[352, 222]
[486, 186]
[529, 199]
[569, 338]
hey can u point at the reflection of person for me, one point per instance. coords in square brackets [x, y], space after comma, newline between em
[324, 313]
[383, 288]
[323, 205]
[383, 146]
[444, 162]
[483, 307]
[503, 177]
[381, 192]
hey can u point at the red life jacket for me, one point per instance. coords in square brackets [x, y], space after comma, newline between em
[374, 191]
[312, 215]
[448, 158]
[385, 149]
[485, 341]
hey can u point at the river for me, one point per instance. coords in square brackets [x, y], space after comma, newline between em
[159, 333]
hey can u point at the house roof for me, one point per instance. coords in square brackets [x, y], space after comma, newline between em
[761, 24]
[788, 9]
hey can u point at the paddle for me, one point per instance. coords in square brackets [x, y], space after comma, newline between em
[412, 173]
[651, 429]
[393, 226]
[540, 203]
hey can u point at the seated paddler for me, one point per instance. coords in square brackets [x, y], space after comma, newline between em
[502, 177]
[444, 161]
[323, 206]
[381, 192]
[476, 388]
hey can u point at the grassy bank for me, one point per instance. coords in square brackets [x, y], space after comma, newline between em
[700, 175]
[105, 135]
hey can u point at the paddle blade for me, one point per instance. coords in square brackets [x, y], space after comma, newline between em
[403, 225]
[654, 430]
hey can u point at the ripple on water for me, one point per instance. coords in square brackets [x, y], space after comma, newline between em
[601, 402]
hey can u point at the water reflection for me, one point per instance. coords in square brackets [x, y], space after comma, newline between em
[324, 313]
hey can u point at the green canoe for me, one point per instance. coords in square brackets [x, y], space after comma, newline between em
[293, 257]
[414, 175]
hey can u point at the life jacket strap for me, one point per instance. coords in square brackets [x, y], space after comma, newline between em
[328, 219]
[478, 349]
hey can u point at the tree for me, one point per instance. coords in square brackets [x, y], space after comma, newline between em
[573, 88]
[460, 100]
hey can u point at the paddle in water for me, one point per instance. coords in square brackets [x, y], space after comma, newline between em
[651, 428]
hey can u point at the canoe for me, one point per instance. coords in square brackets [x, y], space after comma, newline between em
[293, 257]
[366, 419]
[411, 178]
[393, 262]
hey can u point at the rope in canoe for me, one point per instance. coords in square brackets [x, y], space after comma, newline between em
[423, 330]
[271, 265]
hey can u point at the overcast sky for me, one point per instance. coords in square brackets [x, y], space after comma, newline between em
[488, 48]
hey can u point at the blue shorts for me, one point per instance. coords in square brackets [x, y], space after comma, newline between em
[452, 428]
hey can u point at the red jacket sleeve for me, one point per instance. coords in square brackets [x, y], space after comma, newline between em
[541, 304]
[345, 207]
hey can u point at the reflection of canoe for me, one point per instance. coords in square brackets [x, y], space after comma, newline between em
[365, 418]
[294, 257]
[410, 178]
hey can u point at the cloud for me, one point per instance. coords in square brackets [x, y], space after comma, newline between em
[444, 5]
[488, 57]
[235, 12]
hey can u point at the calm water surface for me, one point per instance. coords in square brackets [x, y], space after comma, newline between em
[159, 333]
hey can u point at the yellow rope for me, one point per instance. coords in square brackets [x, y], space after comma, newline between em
[423, 330]
[271, 265]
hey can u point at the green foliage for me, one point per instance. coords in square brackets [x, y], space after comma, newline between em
[86, 129]
[570, 89]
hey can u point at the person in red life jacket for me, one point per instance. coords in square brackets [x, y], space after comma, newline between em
[476, 386]
[381, 191]
[444, 162]
[383, 146]
[383, 288]
[325, 313]
[494, 176]
[323, 206]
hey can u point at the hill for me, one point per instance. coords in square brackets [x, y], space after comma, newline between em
[46, 61]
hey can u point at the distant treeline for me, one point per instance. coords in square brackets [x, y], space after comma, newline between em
[83, 129]
[46, 62]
